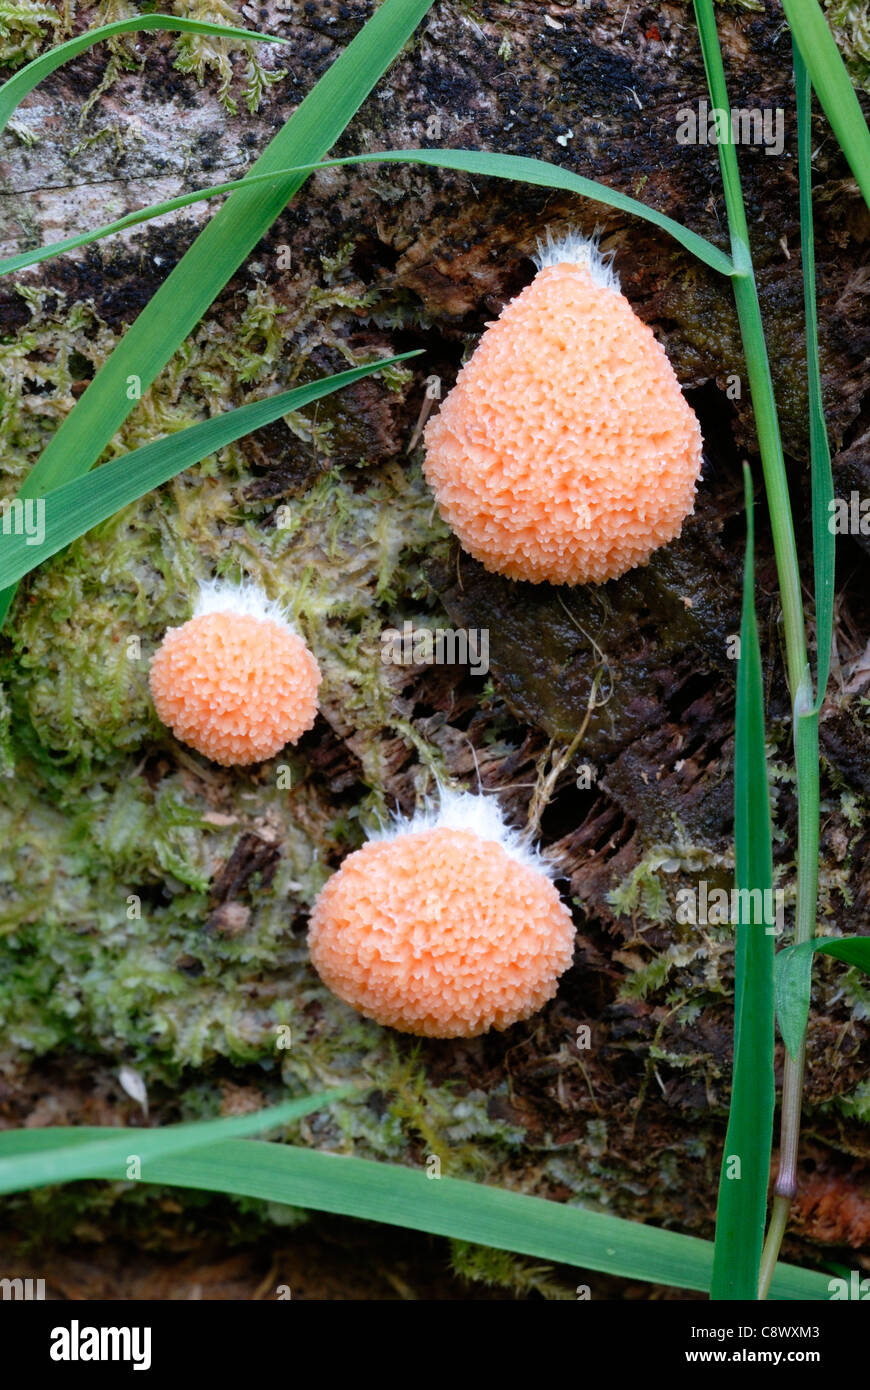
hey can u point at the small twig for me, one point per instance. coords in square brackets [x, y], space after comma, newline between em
[425, 411]
[544, 789]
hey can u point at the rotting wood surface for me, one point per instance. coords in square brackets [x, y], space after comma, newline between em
[391, 258]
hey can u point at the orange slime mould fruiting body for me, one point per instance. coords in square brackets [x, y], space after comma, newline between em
[235, 682]
[445, 930]
[566, 451]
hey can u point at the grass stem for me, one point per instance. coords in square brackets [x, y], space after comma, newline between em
[805, 724]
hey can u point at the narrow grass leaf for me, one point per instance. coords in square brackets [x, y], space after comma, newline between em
[833, 86]
[70, 510]
[399, 1196]
[715, 72]
[26, 1160]
[824, 539]
[502, 166]
[746, 1162]
[757, 360]
[219, 250]
[807, 703]
[793, 980]
[22, 82]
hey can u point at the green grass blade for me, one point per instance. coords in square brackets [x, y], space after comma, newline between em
[793, 980]
[22, 82]
[742, 1204]
[73, 508]
[447, 1206]
[824, 539]
[26, 1161]
[219, 250]
[738, 229]
[757, 361]
[503, 166]
[833, 87]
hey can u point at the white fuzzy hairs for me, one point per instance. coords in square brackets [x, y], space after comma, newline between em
[245, 598]
[458, 810]
[575, 248]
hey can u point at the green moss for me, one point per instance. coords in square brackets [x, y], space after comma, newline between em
[857, 992]
[91, 618]
[500, 1269]
[647, 978]
[648, 895]
[857, 1105]
[116, 835]
[79, 686]
[648, 891]
[123, 57]
[641, 891]
[850, 22]
[24, 28]
[201, 54]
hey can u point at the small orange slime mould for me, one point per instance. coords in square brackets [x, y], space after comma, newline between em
[235, 682]
[446, 926]
[566, 451]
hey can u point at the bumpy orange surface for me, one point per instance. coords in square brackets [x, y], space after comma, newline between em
[235, 687]
[566, 451]
[440, 933]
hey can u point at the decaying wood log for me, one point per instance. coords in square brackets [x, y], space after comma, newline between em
[381, 259]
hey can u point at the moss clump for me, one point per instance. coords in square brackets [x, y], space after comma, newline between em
[649, 889]
[92, 618]
[857, 1105]
[850, 22]
[201, 54]
[25, 25]
[500, 1269]
[115, 941]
